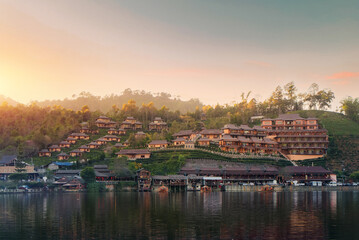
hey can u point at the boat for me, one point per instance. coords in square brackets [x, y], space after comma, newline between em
[206, 189]
[163, 189]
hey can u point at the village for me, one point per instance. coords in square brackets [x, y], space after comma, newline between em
[289, 138]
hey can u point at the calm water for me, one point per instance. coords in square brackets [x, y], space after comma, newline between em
[282, 215]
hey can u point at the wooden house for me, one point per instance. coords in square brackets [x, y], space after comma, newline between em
[62, 156]
[186, 134]
[71, 140]
[140, 135]
[44, 153]
[144, 180]
[130, 123]
[105, 122]
[213, 134]
[119, 145]
[157, 125]
[112, 131]
[85, 130]
[94, 145]
[158, 144]
[111, 138]
[133, 154]
[55, 148]
[179, 141]
[8, 160]
[204, 141]
[121, 131]
[80, 136]
[64, 144]
[101, 141]
[76, 153]
[84, 148]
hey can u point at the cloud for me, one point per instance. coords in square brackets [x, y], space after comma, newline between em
[342, 75]
[341, 82]
[259, 64]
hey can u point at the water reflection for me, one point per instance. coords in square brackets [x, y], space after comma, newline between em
[192, 215]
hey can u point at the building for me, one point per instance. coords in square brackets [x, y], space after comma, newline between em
[130, 123]
[133, 154]
[84, 148]
[204, 141]
[44, 153]
[213, 134]
[64, 144]
[189, 145]
[158, 144]
[79, 136]
[111, 138]
[71, 140]
[8, 160]
[186, 134]
[112, 131]
[244, 130]
[119, 145]
[298, 138]
[101, 141]
[144, 180]
[157, 125]
[55, 148]
[140, 135]
[6, 171]
[67, 173]
[62, 156]
[241, 144]
[306, 174]
[103, 174]
[94, 145]
[179, 141]
[76, 153]
[85, 130]
[105, 122]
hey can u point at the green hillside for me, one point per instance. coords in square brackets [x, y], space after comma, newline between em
[343, 152]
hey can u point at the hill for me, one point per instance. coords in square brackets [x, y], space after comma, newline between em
[8, 100]
[104, 104]
[343, 152]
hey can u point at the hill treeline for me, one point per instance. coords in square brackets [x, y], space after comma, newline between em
[105, 104]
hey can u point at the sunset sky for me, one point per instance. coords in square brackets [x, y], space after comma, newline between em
[211, 50]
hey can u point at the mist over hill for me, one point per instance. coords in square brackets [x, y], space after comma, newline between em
[8, 100]
[104, 104]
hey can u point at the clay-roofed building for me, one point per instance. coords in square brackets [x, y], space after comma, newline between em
[101, 141]
[214, 134]
[67, 173]
[140, 135]
[112, 131]
[130, 123]
[71, 140]
[8, 160]
[94, 145]
[76, 153]
[186, 134]
[179, 141]
[240, 173]
[306, 174]
[54, 148]
[204, 141]
[6, 171]
[298, 138]
[44, 153]
[133, 154]
[62, 156]
[64, 144]
[157, 125]
[84, 148]
[111, 138]
[85, 130]
[158, 144]
[80, 136]
[121, 131]
[103, 174]
[119, 145]
[105, 122]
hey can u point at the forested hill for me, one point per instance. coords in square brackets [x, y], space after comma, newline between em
[8, 100]
[104, 104]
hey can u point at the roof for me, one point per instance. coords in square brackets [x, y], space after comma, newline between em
[132, 151]
[103, 117]
[179, 140]
[211, 131]
[84, 147]
[130, 118]
[6, 159]
[118, 145]
[183, 133]
[158, 142]
[44, 150]
[292, 116]
[204, 139]
[54, 146]
[100, 167]
[94, 143]
[67, 164]
[64, 142]
[12, 169]
[305, 170]
[75, 151]
[169, 177]
[62, 154]
[71, 171]
[110, 136]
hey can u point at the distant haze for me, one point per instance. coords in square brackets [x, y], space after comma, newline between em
[211, 50]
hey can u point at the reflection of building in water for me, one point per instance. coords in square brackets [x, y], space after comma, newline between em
[333, 201]
[305, 225]
[212, 202]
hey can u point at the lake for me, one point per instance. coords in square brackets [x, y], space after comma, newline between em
[191, 215]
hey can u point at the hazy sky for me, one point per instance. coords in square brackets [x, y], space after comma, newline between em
[211, 50]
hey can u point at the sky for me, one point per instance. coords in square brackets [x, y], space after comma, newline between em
[211, 50]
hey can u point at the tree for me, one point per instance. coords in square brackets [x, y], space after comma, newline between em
[350, 107]
[18, 176]
[354, 176]
[318, 99]
[88, 174]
